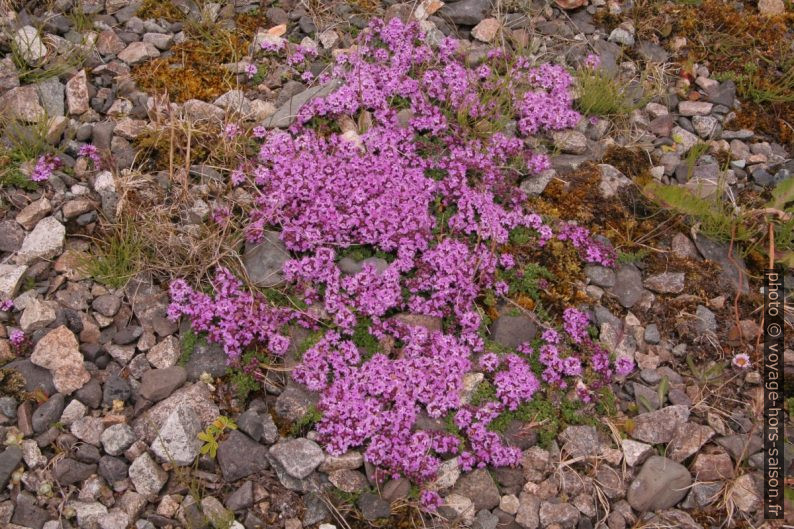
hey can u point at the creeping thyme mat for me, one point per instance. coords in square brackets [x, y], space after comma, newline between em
[424, 180]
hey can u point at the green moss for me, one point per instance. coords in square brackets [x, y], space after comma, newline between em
[307, 343]
[484, 392]
[190, 340]
[363, 339]
[304, 424]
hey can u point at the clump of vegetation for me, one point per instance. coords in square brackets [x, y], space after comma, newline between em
[214, 433]
[117, 257]
[747, 225]
[601, 95]
[305, 423]
[195, 68]
[22, 144]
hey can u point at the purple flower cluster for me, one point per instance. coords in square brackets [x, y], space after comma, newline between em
[90, 151]
[45, 166]
[413, 184]
[234, 317]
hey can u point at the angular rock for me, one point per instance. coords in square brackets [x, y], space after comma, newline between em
[77, 94]
[117, 438]
[10, 459]
[88, 429]
[688, 439]
[660, 484]
[48, 413]
[68, 471]
[480, 488]
[373, 507]
[165, 354]
[158, 384]
[10, 276]
[137, 52]
[611, 180]
[635, 452]
[299, 457]
[22, 103]
[666, 283]
[563, 514]
[58, 351]
[628, 286]
[659, 426]
[37, 315]
[570, 141]
[265, 261]
[177, 441]
[285, 115]
[239, 456]
[694, 108]
[44, 242]
[511, 331]
[27, 513]
[197, 396]
[580, 441]
[466, 12]
[486, 30]
[147, 476]
[528, 515]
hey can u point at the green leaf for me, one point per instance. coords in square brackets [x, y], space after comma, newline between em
[782, 194]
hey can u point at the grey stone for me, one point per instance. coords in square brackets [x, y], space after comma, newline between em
[480, 488]
[705, 320]
[466, 12]
[646, 398]
[628, 286]
[113, 469]
[117, 438]
[511, 331]
[528, 515]
[206, 358]
[373, 507]
[265, 261]
[299, 457]
[722, 94]
[652, 335]
[635, 452]
[485, 520]
[116, 388]
[158, 384]
[535, 184]
[563, 514]
[570, 141]
[11, 236]
[251, 423]
[293, 403]
[48, 413]
[29, 45]
[239, 456]
[580, 441]
[621, 36]
[10, 459]
[688, 439]
[44, 242]
[27, 513]
[286, 113]
[51, 96]
[706, 126]
[68, 471]
[242, 498]
[178, 442]
[659, 426]
[196, 396]
[666, 283]
[147, 476]
[660, 484]
[107, 305]
[88, 429]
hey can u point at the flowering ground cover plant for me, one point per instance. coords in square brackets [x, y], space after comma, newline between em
[395, 162]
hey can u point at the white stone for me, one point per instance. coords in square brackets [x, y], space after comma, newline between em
[44, 242]
[29, 45]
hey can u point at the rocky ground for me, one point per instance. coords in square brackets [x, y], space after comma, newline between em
[104, 398]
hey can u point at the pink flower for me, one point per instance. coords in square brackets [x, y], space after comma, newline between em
[742, 361]
[45, 166]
